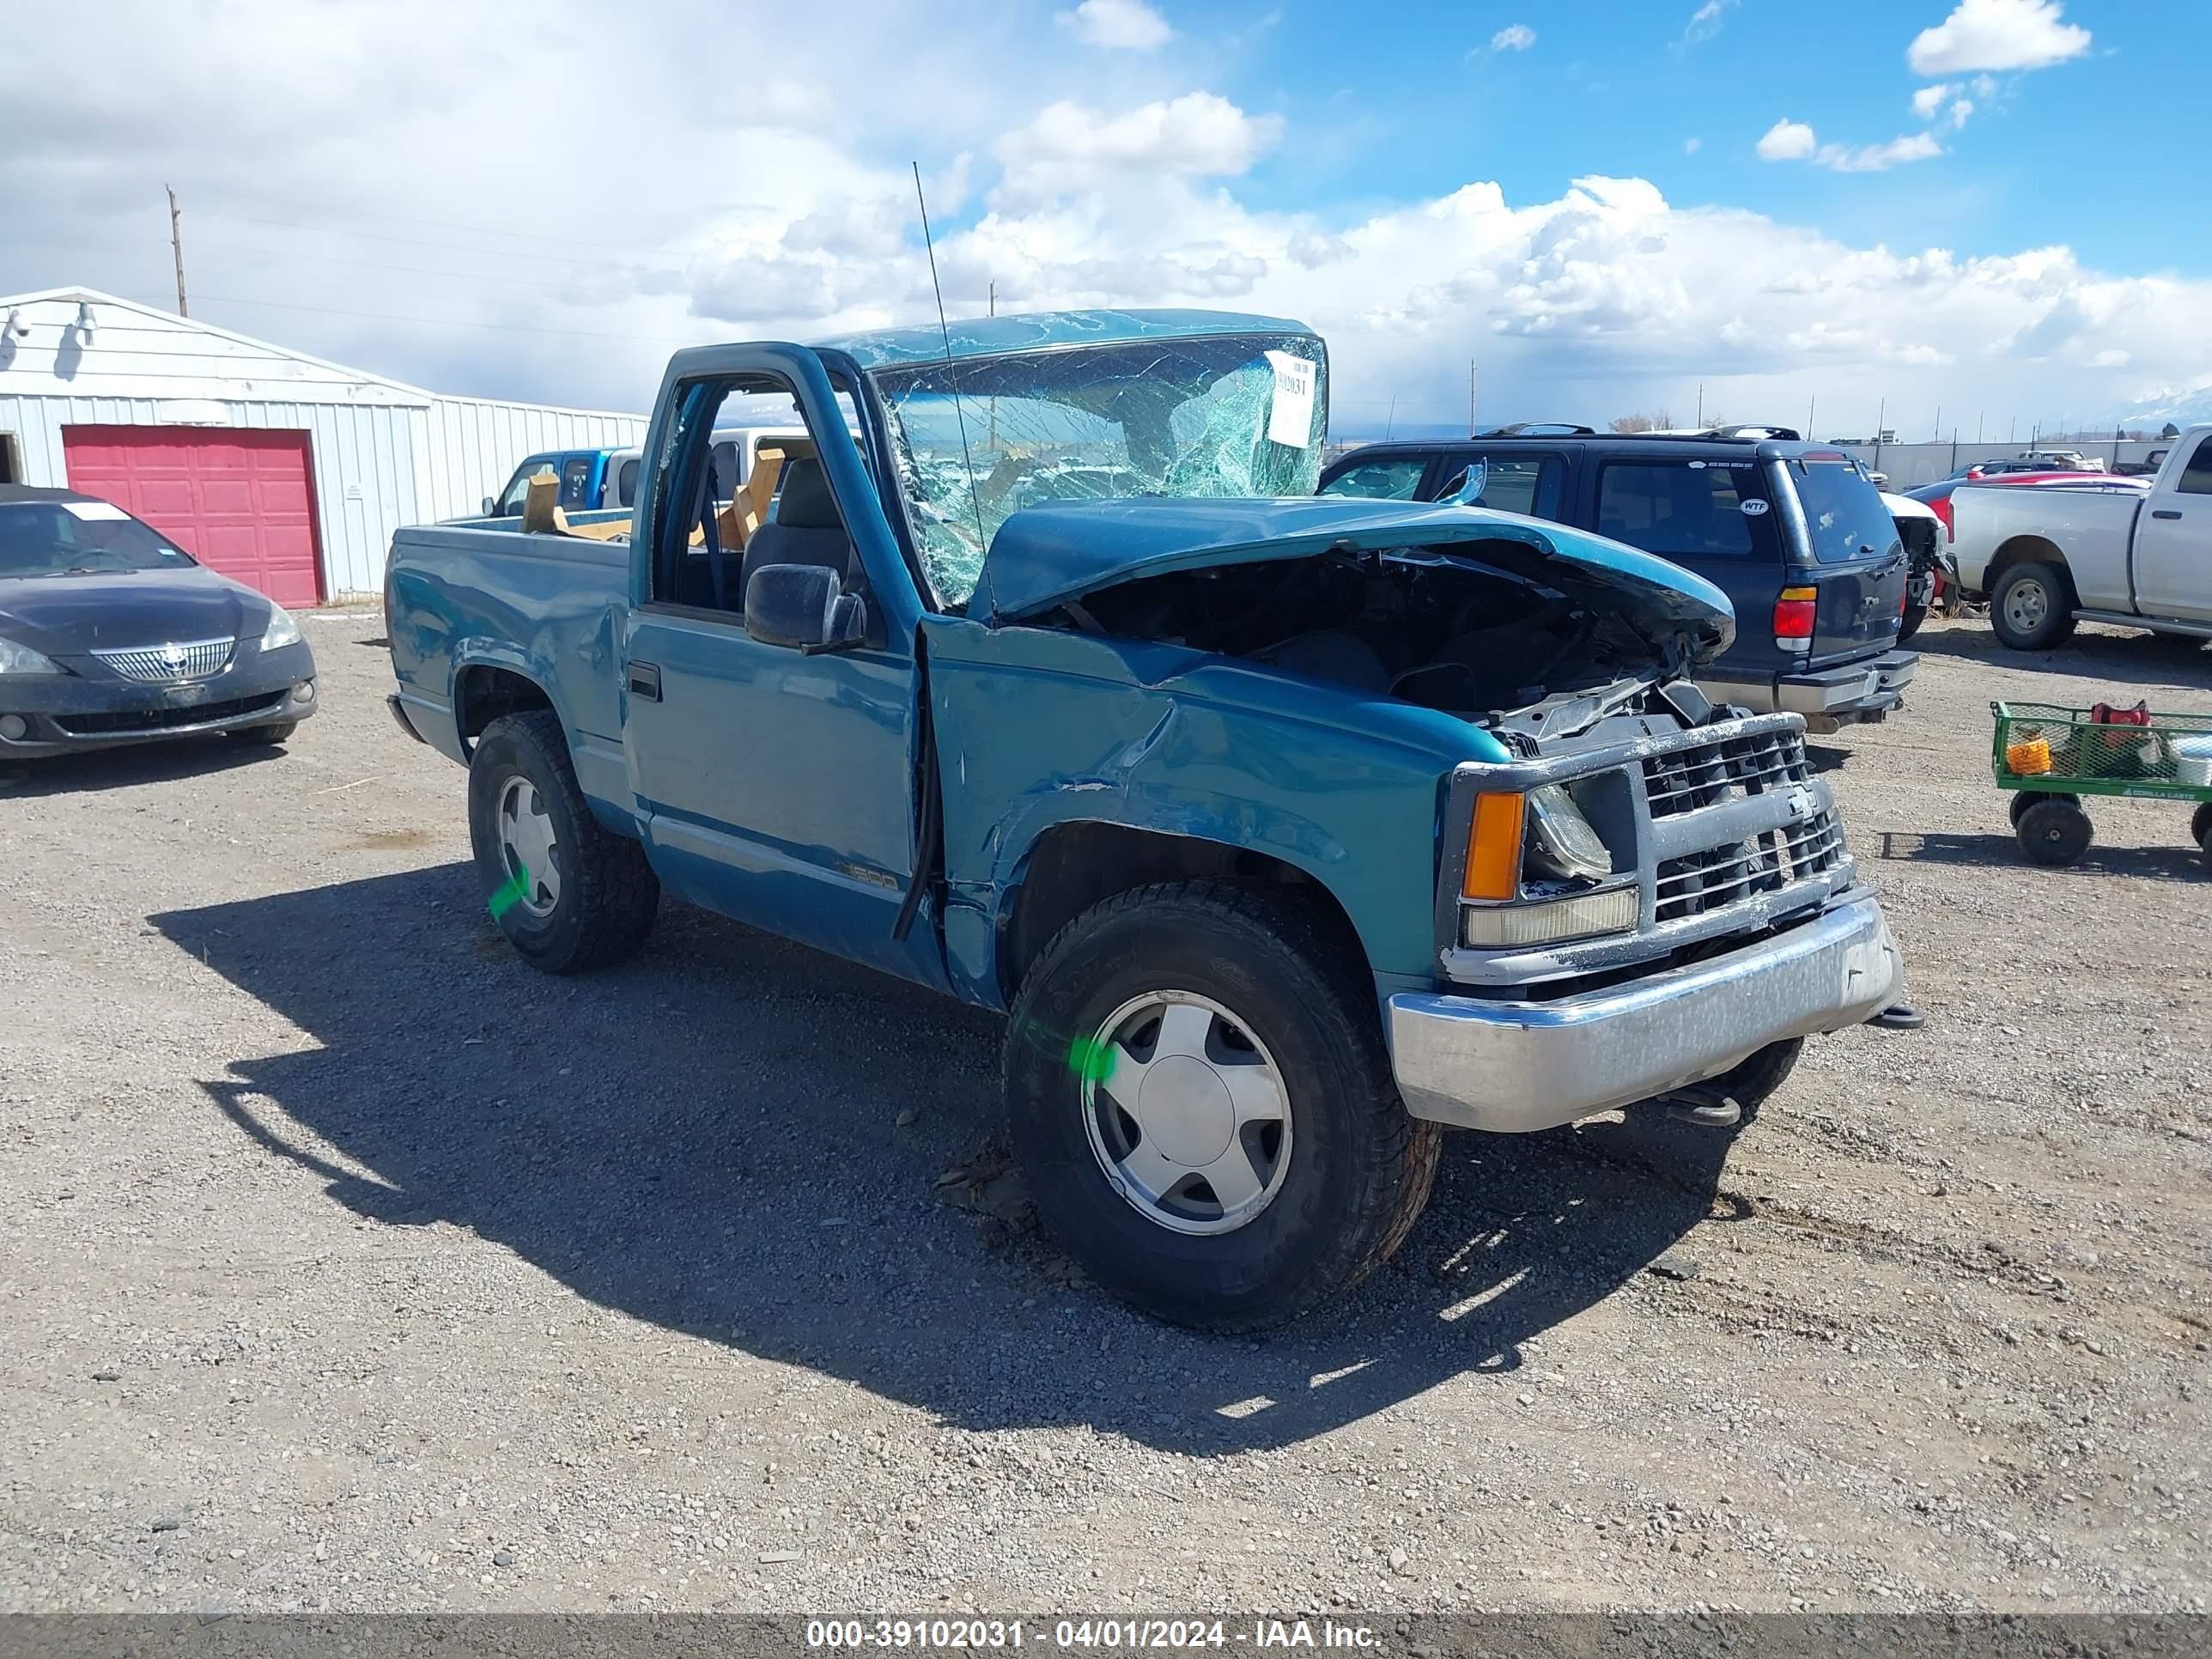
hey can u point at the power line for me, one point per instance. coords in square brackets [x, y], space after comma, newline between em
[447, 224]
[412, 271]
[416, 241]
[449, 322]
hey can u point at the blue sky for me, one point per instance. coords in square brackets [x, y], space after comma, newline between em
[1951, 210]
[2094, 152]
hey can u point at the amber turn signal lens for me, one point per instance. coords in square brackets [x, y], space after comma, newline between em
[1493, 849]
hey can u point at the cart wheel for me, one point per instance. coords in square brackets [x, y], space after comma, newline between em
[2054, 830]
[2201, 827]
[2024, 798]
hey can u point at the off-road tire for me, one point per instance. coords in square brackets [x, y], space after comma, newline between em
[609, 894]
[1360, 1167]
[2054, 831]
[2058, 625]
[276, 731]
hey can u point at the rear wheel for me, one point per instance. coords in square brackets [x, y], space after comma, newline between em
[1200, 1097]
[568, 894]
[2054, 830]
[2032, 607]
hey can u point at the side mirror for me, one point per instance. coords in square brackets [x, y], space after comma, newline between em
[491, 506]
[805, 607]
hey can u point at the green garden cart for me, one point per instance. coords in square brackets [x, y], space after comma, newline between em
[2051, 757]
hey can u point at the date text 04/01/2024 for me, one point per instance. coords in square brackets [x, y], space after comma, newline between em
[1086, 1634]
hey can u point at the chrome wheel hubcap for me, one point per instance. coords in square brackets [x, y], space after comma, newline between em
[1186, 1112]
[2026, 606]
[527, 847]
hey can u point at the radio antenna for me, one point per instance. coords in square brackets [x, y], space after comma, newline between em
[951, 373]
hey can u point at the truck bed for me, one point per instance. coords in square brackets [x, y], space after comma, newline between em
[459, 598]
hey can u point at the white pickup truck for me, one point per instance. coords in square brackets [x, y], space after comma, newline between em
[2049, 557]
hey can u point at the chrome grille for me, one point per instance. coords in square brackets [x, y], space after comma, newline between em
[160, 664]
[1698, 883]
[1683, 779]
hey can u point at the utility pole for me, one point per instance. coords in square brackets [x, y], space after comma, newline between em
[1701, 405]
[1938, 423]
[1882, 414]
[995, 298]
[177, 248]
[1810, 403]
[1390, 425]
[1470, 397]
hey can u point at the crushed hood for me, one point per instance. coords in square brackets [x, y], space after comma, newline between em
[1046, 555]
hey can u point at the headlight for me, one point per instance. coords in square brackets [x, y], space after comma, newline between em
[21, 660]
[1561, 842]
[283, 630]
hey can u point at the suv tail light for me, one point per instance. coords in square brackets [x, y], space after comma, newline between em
[1793, 617]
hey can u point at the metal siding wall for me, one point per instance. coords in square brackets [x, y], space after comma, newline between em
[367, 449]
[409, 465]
[475, 445]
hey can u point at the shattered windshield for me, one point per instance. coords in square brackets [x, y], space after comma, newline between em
[1220, 415]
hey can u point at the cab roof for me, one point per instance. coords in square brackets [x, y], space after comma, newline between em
[1043, 331]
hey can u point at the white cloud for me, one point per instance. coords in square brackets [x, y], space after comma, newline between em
[1878, 158]
[1705, 22]
[1787, 141]
[1071, 147]
[1793, 140]
[1128, 25]
[1514, 37]
[1692, 146]
[1585, 299]
[1929, 99]
[1998, 34]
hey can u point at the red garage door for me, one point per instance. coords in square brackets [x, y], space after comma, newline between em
[241, 501]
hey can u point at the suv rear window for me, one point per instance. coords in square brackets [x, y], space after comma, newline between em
[1844, 516]
[1679, 507]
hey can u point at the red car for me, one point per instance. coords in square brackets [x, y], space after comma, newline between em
[1938, 494]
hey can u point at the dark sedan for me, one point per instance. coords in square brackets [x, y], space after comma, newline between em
[111, 634]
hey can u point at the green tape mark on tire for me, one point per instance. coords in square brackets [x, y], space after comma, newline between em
[509, 893]
[1090, 1062]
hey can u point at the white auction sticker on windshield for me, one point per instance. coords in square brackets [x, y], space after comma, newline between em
[1754, 508]
[1290, 419]
[94, 510]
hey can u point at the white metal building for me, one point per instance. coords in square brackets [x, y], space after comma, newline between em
[278, 468]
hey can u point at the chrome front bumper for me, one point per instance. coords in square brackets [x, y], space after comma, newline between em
[1510, 1067]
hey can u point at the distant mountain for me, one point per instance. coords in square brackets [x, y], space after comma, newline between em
[2189, 409]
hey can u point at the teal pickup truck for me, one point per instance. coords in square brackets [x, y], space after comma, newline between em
[1286, 830]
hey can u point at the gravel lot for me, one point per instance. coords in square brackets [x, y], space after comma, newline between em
[350, 1264]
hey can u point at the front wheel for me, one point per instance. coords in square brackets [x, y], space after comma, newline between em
[568, 894]
[2054, 831]
[2024, 798]
[2032, 607]
[275, 732]
[1200, 1095]
[1909, 624]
